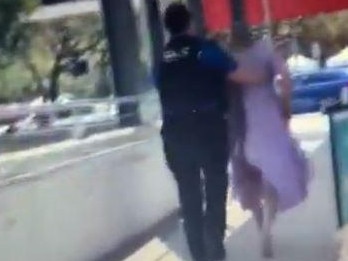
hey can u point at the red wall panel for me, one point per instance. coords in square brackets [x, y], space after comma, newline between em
[218, 16]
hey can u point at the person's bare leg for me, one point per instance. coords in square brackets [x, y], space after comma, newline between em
[258, 216]
[270, 207]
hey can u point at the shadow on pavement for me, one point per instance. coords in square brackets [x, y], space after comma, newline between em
[131, 246]
[303, 234]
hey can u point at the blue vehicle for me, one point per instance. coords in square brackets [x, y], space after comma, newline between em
[314, 90]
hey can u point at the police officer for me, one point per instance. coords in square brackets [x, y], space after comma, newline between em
[192, 87]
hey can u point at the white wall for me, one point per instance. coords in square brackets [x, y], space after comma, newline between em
[87, 209]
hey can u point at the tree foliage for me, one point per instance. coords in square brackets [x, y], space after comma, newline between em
[11, 26]
[329, 30]
[65, 43]
[47, 52]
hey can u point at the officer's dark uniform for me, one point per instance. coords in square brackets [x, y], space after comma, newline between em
[194, 103]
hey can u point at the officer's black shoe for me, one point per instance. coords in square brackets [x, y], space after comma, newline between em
[216, 252]
[198, 253]
[199, 258]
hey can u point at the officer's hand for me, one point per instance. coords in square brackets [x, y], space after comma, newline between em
[248, 74]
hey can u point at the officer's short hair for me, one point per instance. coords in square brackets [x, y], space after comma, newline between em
[177, 18]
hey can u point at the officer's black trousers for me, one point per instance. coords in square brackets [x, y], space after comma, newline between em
[196, 150]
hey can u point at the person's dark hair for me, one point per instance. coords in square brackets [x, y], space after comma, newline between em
[177, 18]
[241, 35]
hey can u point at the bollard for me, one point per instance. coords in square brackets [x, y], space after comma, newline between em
[344, 95]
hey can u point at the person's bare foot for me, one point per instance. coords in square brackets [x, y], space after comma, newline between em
[267, 247]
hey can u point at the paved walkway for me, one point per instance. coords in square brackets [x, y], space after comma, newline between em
[303, 234]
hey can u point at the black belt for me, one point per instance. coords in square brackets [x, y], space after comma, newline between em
[211, 108]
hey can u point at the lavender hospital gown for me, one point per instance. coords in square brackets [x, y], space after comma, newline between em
[268, 144]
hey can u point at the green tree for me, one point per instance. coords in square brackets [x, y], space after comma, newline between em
[45, 51]
[329, 30]
[58, 45]
[11, 27]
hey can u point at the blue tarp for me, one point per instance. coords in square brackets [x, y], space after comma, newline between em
[310, 90]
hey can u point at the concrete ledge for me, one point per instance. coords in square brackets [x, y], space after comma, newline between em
[88, 208]
[132, 244]
[24, 141]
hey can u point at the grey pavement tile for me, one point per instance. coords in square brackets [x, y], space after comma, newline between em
[305, 233]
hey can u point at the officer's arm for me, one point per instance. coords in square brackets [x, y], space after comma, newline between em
[243, 72]
[247, 74]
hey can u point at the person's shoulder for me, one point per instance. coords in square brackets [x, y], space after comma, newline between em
[214, 56]
[202, 41]
[185, 40]
[210, 44]
[198, 41]
[210, 48]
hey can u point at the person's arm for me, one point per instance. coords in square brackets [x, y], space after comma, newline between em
[243, 72]
[283, 84]
[285, 87]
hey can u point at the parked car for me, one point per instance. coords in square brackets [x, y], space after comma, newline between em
[312, 91]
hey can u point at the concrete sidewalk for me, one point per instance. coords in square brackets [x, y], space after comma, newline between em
[303, 234]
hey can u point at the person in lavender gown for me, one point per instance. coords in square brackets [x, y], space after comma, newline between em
[269, 172]
[191, 83]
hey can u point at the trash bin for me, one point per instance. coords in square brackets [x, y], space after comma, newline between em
[338, 116]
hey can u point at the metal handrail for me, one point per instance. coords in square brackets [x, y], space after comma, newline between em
[23, 110]
[10, 115]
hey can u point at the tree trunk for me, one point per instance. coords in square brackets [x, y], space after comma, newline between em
[54, 82]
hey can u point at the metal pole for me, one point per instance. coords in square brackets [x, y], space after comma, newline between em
[156, 32]
[196, 8]
[121, 30]
[267, 18]
[237, 11]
